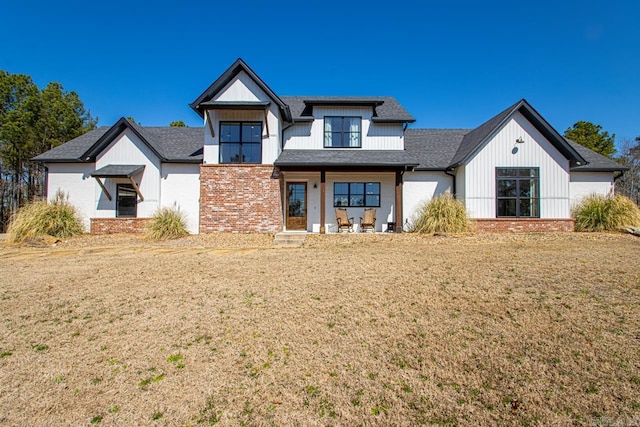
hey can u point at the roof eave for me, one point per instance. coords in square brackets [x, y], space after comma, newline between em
[400, 121]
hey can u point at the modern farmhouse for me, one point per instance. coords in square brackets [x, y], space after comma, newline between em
[267, 163]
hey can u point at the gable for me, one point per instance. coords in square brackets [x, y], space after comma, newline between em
[241, 88]
[475, 140]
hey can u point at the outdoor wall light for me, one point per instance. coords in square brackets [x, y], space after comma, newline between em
[520, 141]
[315, 185]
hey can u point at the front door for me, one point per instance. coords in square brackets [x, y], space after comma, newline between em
[296, 206]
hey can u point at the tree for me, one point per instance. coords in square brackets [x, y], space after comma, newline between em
[592, 136]
[629, 183]
[31, 122]
[177, 124]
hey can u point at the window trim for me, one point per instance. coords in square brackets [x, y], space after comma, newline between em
[240, 143]
[128, 187]
[324, 131]
[349, 205]
[517, 198]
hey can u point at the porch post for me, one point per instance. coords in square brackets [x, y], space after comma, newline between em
[322, 201]
[398, 218]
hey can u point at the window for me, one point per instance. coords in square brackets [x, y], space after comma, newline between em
[518, 192]
[356, 194]
[126, 201]
[240, 142]
[342, 132]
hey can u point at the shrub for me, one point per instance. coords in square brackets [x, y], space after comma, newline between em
[167, 223]
[58, 218]
[606, 213]
[443, 214]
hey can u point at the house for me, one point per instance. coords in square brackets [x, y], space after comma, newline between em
[268, 163]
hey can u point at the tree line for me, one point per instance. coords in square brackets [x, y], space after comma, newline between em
[34, 120]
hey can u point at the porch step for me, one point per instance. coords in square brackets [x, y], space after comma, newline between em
[289, 240]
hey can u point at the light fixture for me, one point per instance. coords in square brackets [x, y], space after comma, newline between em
[520, 140]
[315, 185]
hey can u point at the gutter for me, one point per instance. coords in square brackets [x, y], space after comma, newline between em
[453, 186]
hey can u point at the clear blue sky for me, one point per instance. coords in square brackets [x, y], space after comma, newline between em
[451, 64]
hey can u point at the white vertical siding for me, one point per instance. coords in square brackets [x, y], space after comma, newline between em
[128, 149]
[75, 180]
[243, 88]
[587, 183]
[181, 188]
[420, 187]
[375, 136]
[502, 151]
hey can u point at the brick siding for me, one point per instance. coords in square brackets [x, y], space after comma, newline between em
[117, 225]
[240, 199]
[532, 224]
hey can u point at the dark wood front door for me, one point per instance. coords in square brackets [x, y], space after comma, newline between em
[296, 205]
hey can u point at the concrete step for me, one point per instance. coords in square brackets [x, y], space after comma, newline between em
[289, 240]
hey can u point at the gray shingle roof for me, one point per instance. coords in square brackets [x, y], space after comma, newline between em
[118, 171]
[347, 157]
[73, 150]
[171, 144]
[433, 149]
[597, 162]
[390, 109]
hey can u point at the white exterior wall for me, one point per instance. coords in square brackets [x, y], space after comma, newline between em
[420, 187]
[180, 187]
[243, 88]
[375, 136]
[502, 151]
[386, 211]
[75, 180]
[587, 183]
[127, 149]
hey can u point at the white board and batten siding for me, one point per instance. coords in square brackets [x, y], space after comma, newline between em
[587, 183]
[375, 136]
[419, 188]
[243, 89]
[128, 149]
[503, 152]
[75, 181]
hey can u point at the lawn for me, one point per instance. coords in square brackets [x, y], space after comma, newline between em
[487, 329]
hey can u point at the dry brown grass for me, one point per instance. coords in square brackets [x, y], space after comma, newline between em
[540, 329]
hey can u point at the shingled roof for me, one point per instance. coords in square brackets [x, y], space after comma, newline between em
[433, 149]
[597, 162]
[170, 144]
[345, 158]
[386, 108]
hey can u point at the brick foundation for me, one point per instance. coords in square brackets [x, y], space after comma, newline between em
[117, 225]
[524, 225]
[240, 199]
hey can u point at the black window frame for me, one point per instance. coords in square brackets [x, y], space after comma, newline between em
[129, 188]
[349, 195]
[342, 132]
[239, 143]
[518, 178]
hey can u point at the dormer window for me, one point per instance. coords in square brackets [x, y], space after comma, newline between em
[240, 142]
[342, 132]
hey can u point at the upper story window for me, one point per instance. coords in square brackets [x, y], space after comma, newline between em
[518, 192]
[240, 142]
[342, 132]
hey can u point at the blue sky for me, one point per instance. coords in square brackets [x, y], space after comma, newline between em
[451, 64]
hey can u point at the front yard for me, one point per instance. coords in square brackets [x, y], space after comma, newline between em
[347, 330]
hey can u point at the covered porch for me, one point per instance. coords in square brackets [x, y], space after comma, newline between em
[316, 182]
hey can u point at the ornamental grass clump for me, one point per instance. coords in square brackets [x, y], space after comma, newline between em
[606, 213]
[443, 214]
[167, 223]
[58, 218]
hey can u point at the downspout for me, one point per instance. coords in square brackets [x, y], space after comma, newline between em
[453, 187]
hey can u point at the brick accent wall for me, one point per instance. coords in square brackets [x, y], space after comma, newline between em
[117, 225]
[524, 225]
[240, 199]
